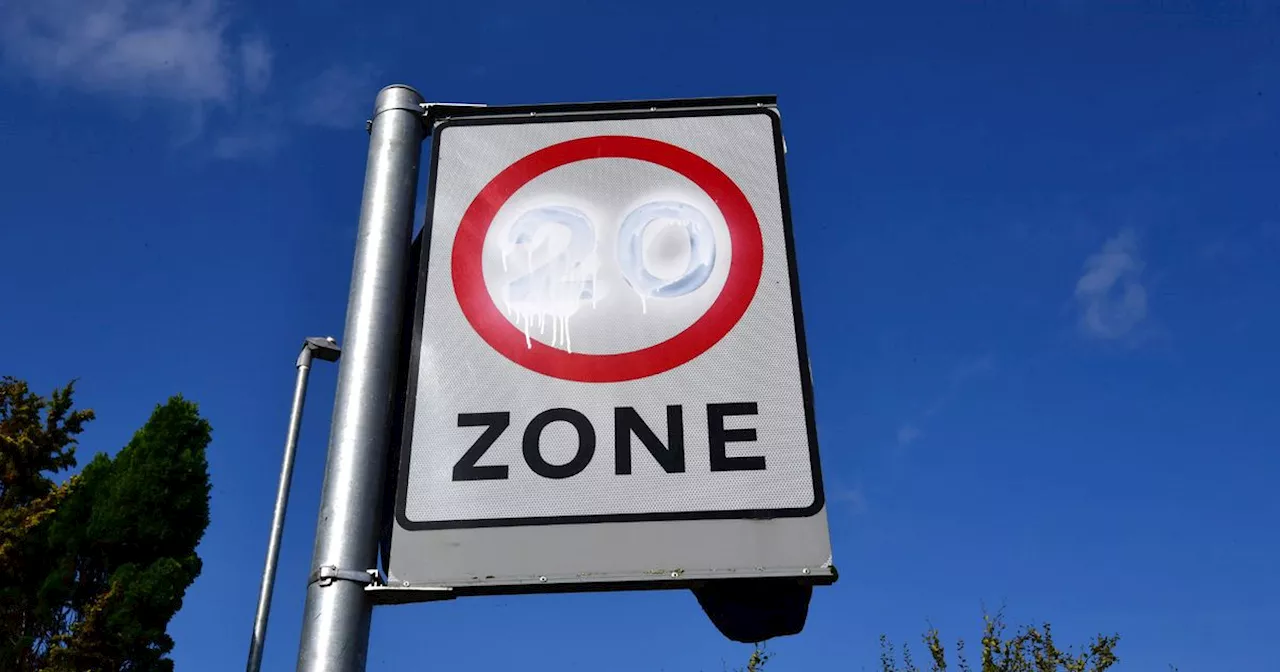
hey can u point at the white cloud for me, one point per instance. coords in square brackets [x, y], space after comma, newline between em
[255, 61]
[184, 54]
[1110, 295]
[176, 50]
[248, 144]
[965, 371]
[853, 497]
[907, 434]
[341, 97]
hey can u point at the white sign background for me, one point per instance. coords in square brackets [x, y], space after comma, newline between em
[457, 372]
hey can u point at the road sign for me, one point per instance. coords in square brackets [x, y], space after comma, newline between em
[607, 378]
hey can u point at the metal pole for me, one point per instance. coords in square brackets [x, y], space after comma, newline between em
[335, 626]
[327, 350]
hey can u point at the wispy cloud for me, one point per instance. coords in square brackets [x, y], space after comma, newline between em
[1109, 295]
[248, 143]
[178, 51]
[185, 56]
[255, 62]
[853, 498]
[337, 98]
[972, 368]
[341, 96]
[960, 375]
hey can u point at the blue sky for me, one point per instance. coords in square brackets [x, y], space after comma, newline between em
[1037, 245]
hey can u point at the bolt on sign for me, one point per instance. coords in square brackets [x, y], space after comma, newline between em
[607, 384]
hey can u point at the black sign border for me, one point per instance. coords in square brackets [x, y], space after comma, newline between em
[499, 116]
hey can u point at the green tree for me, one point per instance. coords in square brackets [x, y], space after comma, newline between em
[1029, 649]
[760, 656]
[37, 440]
[116, 544]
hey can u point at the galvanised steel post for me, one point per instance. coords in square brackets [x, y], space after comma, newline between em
[335, 628]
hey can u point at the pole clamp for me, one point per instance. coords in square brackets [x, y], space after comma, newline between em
[327, 574]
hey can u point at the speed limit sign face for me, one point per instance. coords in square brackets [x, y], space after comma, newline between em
[607, 326]
[665, 234]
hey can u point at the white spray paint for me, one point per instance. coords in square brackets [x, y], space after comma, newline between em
[561, 265]
[560, 272]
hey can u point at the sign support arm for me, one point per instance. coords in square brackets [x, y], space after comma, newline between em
[327, 350]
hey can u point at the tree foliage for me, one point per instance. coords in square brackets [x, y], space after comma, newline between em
[760, 656]
[1029, 649]
[93, 569]
[34, 447]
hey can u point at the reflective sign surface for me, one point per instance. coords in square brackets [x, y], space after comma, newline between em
[607, 346]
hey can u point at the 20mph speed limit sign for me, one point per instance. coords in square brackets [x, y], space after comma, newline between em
[607, 379]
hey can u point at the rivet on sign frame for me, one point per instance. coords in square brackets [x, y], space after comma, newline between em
[805, 570]
[542, 579]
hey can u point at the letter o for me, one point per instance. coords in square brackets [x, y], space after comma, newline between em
[533, 443]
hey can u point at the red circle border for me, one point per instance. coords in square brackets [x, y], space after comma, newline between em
[745, 267]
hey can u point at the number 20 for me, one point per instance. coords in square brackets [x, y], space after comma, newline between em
[629, 251]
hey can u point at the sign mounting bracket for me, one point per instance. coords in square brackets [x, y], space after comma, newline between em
[325, 575]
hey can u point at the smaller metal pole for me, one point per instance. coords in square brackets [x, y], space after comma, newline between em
[327, 350]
